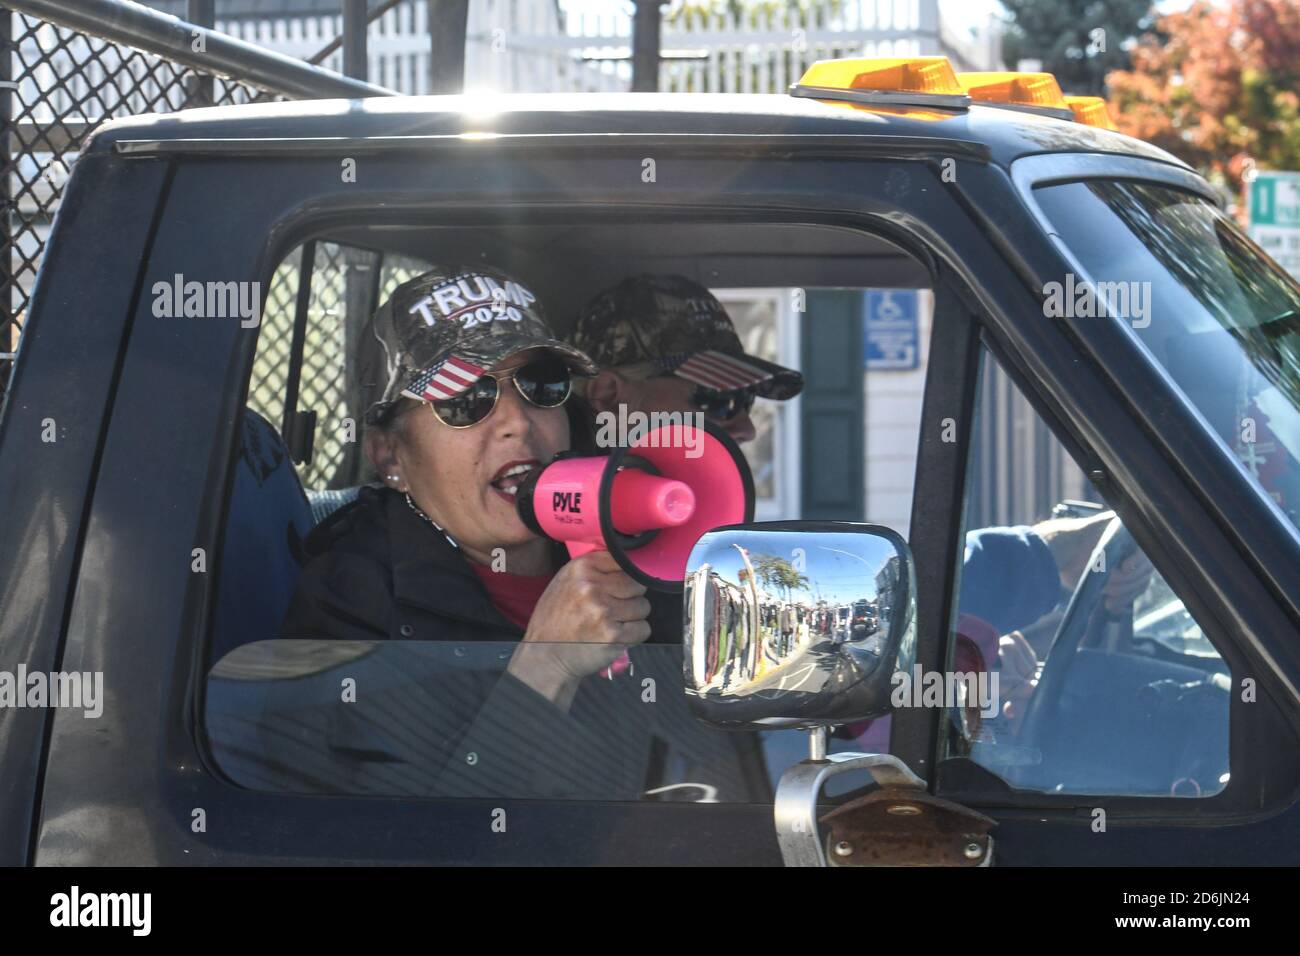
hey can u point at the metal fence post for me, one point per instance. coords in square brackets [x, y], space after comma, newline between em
[448, 21]
[927, 27]
[8, 340]
[355, 22]
[200, 89]
[645, 47]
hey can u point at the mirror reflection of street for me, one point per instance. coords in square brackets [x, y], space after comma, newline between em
[762, 625]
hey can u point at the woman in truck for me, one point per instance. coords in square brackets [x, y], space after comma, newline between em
[469, 389]
[469, 394]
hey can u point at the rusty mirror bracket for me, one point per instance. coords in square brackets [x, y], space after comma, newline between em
[899, 824]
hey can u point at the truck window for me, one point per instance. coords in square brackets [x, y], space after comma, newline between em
[1220, 317]
[442, 719]
[439, 719]
[1093, 677]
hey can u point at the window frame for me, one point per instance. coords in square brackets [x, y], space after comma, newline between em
[300, 328]
[1240, 503]
[148, 758]
[1085, 172]
[1261, 735]
[1219, 803]
[165, 773]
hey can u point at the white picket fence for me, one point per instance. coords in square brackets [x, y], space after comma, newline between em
[511, 46]
[522, 45]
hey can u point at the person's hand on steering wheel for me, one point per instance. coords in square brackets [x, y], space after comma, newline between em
[1017, 677]
[1071, 541]
[1126, 583]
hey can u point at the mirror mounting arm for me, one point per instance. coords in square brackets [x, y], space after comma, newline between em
[800, 786]
[817, 743]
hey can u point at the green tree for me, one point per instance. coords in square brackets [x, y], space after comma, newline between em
[1079, 41]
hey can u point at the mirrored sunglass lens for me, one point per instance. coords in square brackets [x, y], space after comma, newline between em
[544, 382]
[724, 406]
[471, 407]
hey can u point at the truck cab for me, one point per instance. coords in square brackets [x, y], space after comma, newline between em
[164, 450]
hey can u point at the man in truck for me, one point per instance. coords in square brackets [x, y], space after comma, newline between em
[665, 343]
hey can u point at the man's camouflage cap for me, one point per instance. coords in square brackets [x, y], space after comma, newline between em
[440, 331]
[680, 326]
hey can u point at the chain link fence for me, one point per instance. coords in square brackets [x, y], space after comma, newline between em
[57, 86]
[325, 385]
[346, 283]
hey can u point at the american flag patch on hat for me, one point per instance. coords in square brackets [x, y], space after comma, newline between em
[714, 369]
[445, 380]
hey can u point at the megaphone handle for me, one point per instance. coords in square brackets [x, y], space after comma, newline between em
[624, 663]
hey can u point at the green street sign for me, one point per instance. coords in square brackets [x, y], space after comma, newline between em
[1274, 211]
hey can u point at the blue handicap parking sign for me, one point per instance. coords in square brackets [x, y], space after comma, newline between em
[892, 335]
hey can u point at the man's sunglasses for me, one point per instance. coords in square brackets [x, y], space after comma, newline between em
[723, 406]
[544, 382]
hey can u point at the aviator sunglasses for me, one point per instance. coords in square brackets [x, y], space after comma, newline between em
[545, 382]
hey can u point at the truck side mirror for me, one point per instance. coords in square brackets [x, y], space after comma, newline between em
[804, 624]
[797, 624]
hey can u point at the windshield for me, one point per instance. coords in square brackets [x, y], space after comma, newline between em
[1220, 316]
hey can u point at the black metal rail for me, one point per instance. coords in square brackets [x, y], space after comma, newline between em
[197, 47]
[67, 66]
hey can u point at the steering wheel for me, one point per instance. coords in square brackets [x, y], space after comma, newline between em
[1085, 616]
[1184, 738]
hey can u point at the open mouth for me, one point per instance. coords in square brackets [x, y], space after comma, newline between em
[511, 475]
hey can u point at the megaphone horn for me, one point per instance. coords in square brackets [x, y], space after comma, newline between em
[647, 503]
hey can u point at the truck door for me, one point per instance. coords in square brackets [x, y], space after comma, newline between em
[1134, 723]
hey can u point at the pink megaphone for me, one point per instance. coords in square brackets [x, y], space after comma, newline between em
[647, 503]
[640, 500]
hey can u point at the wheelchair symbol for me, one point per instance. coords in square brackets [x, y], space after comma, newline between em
[888, 310]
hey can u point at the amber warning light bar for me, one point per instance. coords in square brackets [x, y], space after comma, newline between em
[930, 81]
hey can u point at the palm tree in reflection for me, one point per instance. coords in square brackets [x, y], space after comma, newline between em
[778, 574]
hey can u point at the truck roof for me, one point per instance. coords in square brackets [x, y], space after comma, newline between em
[1000, 134]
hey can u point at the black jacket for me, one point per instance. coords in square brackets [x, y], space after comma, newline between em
[375, 569]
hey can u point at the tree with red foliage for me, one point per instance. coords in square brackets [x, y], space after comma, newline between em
[1216, 85]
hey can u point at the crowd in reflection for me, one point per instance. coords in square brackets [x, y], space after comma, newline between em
[745, 635]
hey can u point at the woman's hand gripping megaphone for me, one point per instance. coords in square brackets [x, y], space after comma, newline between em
[566, 501]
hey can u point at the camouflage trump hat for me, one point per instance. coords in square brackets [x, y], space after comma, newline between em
[681, 327]
[439, 332]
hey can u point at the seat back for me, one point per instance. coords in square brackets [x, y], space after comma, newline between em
[324, 503]
[268, 517]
